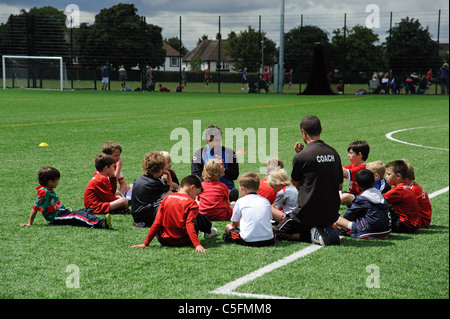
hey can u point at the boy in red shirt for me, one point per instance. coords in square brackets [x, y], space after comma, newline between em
[425, 209]
[100, 194]
[178, 221]
[358, 152]
[405, 217]
[115, 150]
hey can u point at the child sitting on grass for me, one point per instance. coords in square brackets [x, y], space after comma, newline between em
[100, 194]
[54, 211]
[358, 152]
[278, 180]
[175, 181]
[149, 189]
[378, 170]
[214, 201]
[115, 150]
[251, 221]
[368, 217]
[425, 209]
[405, 208]
[178, 220]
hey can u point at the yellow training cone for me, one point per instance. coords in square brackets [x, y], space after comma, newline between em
[43, 144]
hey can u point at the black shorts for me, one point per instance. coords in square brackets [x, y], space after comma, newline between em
[289, 226]
[234, 236]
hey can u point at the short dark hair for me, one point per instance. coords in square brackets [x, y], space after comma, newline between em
[360, 147]
[311, 125]
[102, 160]
[365, 179]
[212, 131]
[192, 180]
[46, 174]
[398, 167]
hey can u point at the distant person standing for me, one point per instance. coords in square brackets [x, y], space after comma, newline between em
[429, 76]
[206, 78]
[244, 79]
[149, 78]
[443, 78]
[105, 77]
[183, 76]
[123, 77]
[290, 75]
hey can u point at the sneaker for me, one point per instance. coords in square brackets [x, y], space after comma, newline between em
[316, 238]
[139, 224]
[108, 224]
[226, 238]
[328, 235]
[211, 234]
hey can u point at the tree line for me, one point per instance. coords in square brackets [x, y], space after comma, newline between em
[120, 36]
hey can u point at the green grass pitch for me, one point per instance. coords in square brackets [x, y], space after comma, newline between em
[36, 261]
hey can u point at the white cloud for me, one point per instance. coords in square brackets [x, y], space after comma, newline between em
[6, 10]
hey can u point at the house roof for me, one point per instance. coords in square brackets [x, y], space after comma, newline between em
[208, 50]
[170, 51]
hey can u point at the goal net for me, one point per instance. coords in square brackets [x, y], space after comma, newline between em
[34, 72]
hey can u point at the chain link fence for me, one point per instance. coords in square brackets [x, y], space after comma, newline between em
[357, 45]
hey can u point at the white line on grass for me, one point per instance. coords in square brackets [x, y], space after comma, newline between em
[439, 192]
[228, 289]
[389, 136]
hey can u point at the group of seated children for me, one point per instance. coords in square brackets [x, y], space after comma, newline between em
[377, 207]
[176, 212]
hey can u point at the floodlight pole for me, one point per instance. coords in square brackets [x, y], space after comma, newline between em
[279, 89]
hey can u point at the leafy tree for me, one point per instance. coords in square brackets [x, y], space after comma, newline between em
[244, 49]
[37, 32]
[196, 63]
[174, 42]
[299, 46]
[203, 37]
[117, 37]
[411, 48]
[362, 53]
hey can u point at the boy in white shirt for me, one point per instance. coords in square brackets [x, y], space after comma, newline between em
[251, 220]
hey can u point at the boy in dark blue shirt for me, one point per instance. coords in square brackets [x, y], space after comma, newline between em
[369, 216]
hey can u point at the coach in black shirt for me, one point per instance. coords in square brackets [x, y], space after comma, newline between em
[317, 174]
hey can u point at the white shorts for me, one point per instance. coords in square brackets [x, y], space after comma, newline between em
[105, 80]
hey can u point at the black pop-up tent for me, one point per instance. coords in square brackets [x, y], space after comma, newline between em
[318, 82]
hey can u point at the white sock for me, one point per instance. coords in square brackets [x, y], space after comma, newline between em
[349, 226]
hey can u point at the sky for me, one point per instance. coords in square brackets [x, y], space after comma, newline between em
[201, 16]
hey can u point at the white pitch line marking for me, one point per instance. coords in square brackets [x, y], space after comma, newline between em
[229, 287]
[389, 136]
[439, 192]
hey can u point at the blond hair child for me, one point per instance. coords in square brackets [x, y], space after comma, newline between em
[287, 195]
[378, 170]
[214, 201]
